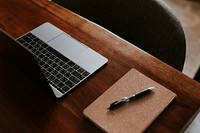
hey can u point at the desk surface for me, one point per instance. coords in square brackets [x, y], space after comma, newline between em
[32, 110]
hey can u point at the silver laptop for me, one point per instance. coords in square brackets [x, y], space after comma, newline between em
[64, 61]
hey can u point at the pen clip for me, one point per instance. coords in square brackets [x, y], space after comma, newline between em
[119, 102]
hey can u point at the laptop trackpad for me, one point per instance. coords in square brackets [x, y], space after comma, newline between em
[68, 46]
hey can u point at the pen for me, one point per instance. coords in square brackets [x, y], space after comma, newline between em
[130, 98]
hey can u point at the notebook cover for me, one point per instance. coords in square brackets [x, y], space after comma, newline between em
[135, 116]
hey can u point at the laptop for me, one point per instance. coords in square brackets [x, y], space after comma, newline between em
[63, 61]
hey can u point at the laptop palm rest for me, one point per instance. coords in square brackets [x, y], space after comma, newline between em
[77, 52]
[67, 46]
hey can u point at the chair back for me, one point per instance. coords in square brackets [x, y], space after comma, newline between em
[149, 24]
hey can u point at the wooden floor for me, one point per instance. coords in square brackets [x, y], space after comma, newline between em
[188, 12]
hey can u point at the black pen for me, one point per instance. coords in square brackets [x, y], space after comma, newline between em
[130, 98]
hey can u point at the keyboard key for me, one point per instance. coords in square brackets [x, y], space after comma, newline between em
[36, 39]
[41, 56]
[56, 81]
[59, 76]
[30, 47]
[70, 63]
[29, 35]
[21, 41]
[40, 48]
[45, 59]
[47, 74]
[37, 53]
[45, 66]
[58, 68]
[61, 63]
[33, 50]
[32, 36]
[63, 71]
[44, 51]
[27, 39]
[74, 79]
[79, 76]
[54, 72]
[76, 67]
[50, 69]
[63, 79]
[80, 70]
[26, 44]
[57, 60]
[66, 88]
[67, 74]
[65, 66]
[49, 62]
[61, 85]
[36, 45]
[48, 54]
[51, 78]
[85, 73]
[69, 83]
[32, 43]
[40, 42]
[70, 69]
[54, 65]
[52, 57]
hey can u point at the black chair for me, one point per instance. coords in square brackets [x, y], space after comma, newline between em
[197, 75]
[148, 24]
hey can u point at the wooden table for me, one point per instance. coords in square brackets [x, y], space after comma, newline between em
[26, 108]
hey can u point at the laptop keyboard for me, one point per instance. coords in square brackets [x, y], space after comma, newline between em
[60, 72]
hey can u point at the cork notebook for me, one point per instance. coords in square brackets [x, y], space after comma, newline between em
[135, 116]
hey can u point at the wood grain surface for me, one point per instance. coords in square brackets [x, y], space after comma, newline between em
[26, 107]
